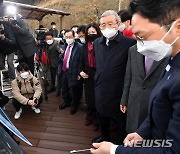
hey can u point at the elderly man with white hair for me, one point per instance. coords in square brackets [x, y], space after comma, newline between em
[111, 53]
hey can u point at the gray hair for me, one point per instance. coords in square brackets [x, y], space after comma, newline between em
[111, 12]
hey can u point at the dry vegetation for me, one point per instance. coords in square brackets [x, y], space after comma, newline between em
[82, 11]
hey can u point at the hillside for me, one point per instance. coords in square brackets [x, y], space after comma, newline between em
[82, 11]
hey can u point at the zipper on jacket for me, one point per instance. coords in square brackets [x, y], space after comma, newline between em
[26, 88]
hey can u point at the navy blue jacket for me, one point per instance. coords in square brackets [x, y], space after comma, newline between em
[163, 121]
[110, 71]
[73, 64]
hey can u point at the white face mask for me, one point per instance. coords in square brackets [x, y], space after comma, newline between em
[76, 36]
[109, 32]
[82, 39]
[156, 49]
[69, 41]
[24, 75]
[54, 26]
[49, 42]
[122, 27]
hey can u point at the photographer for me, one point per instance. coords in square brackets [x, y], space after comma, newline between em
[7, 44]
[40, 36]
[7, 48]
[26, 90]
[53, 51]
[25, 42]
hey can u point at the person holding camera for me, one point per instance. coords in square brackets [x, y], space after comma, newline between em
[7, 40]
[7, 48]
[26, 44]
[53, 51]
[26, 90]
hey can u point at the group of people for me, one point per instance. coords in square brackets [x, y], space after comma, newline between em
[123, 63]
[156, 26]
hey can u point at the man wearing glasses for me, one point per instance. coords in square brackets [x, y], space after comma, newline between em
[157, 24]
[111, 53]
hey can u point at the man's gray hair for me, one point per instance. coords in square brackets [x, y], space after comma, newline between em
[111, 12]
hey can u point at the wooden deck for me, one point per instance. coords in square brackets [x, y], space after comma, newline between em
[53, 131]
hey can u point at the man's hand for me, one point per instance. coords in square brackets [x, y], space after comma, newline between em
[78, 78]
[123, 108]
[31, 103]
[131, 139]
[101, 148]
[84, 75]
[2, 36]
[61, 50]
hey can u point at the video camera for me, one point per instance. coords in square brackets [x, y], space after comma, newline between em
[1, 31]
[40, 37]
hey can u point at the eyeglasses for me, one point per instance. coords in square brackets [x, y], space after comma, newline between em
[141, 39]
[111, 25]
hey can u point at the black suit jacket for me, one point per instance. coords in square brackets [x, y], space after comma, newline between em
[110, 70]
[84, 65]
[73, 64]
[163, 121]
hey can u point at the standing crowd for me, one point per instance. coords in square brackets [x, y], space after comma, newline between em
[118, 63]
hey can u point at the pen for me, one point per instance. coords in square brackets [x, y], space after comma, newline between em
[76, 151]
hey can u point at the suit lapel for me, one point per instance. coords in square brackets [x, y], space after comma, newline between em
[73, 52]
[153, 68]
[140, 62]
[103, 48]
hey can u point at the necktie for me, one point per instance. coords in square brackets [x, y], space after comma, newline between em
[64, 68]
[148, 64]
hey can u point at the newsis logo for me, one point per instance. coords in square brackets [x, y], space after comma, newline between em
[153, 143]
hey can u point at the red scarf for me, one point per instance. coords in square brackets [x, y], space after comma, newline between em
[91, 56]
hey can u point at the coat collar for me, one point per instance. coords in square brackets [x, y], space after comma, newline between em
[118, 38]
[74, 50]
[140, 62]
[30, 76]
[175, 62]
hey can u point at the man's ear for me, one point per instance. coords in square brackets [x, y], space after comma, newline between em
[128, 22]
[178, 26]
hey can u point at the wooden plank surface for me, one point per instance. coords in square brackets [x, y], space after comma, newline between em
[53, 131]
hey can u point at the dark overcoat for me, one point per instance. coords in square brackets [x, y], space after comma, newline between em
[111, 63]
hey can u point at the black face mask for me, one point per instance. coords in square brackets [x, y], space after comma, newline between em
[92, 37]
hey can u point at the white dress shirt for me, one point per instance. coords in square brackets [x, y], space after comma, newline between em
[113, 149]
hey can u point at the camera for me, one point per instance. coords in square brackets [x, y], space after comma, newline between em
[1, 31]
[40, 37]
